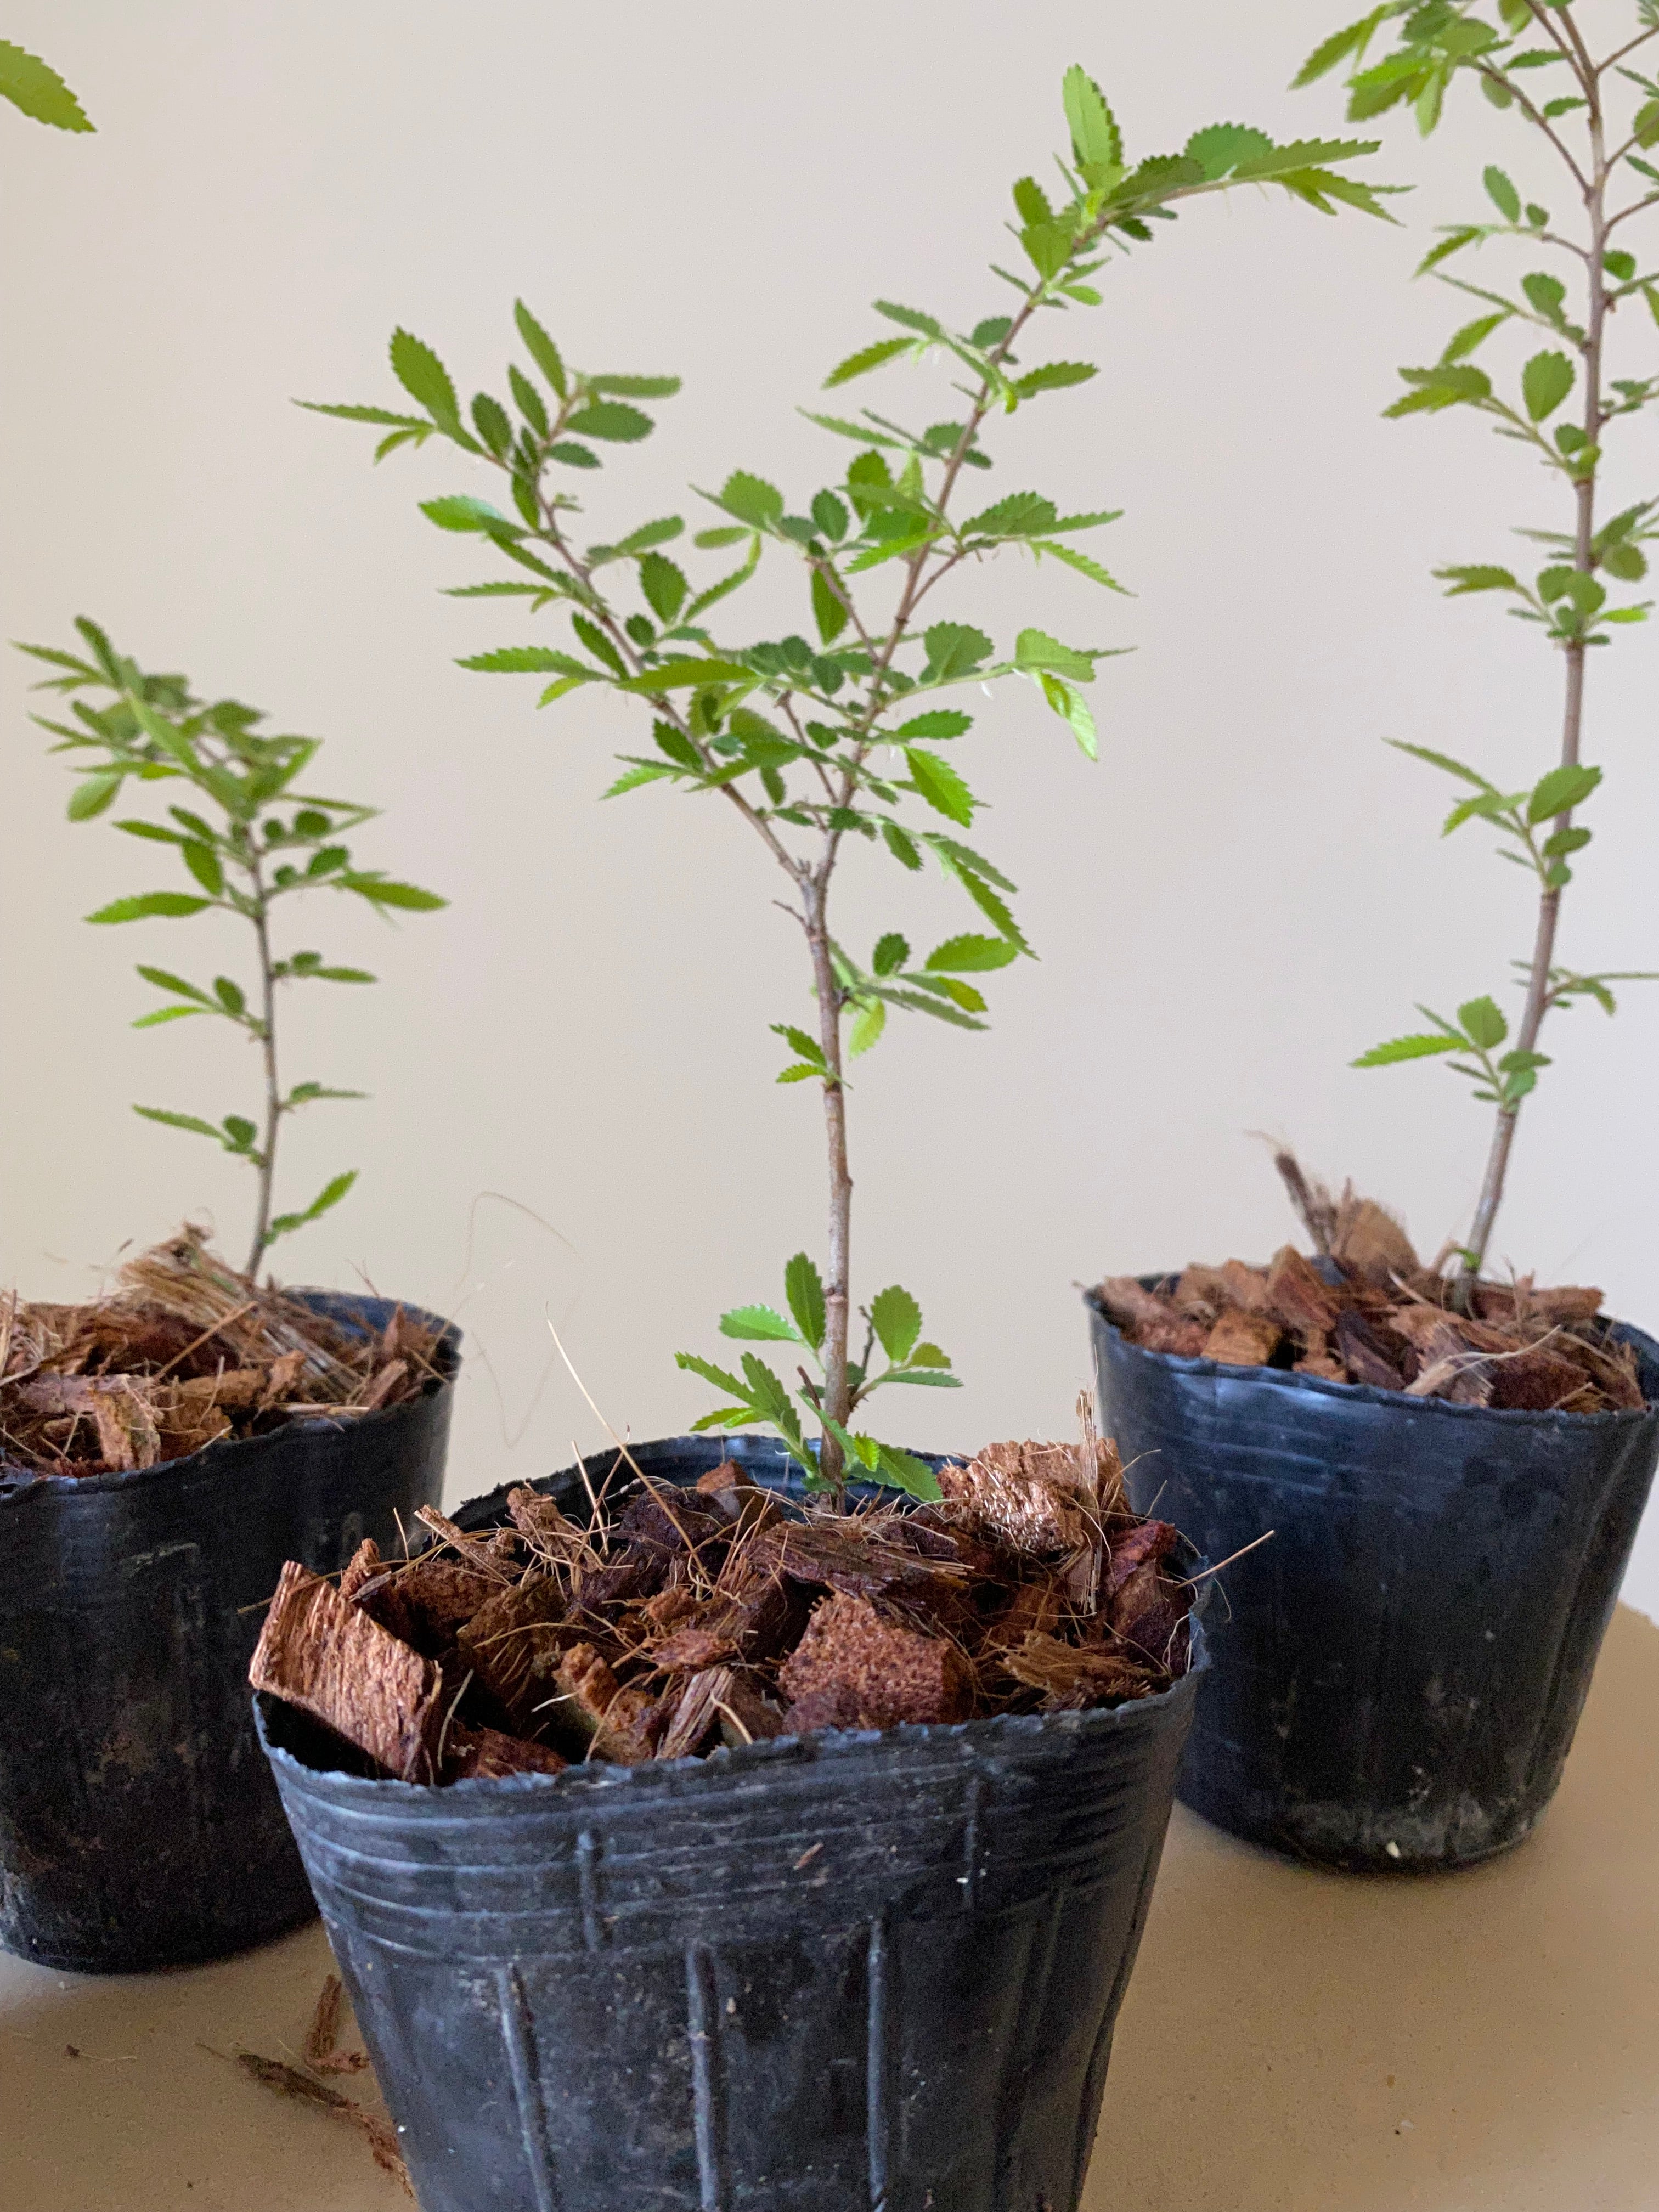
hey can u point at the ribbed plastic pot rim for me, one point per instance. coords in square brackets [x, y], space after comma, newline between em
[1369, 1394]
[20, 1482]
[734, 1763]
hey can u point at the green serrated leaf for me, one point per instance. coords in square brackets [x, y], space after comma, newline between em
[804, 1289]
[897, 1319]
[759, 1325]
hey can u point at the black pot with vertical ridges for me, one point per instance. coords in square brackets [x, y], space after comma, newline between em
[139, 1825]
[1398, 1675]
[843, 1972]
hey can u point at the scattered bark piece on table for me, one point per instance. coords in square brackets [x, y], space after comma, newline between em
[855, 1668]
[289, 2081]
[329, 1657]
[322, 2053]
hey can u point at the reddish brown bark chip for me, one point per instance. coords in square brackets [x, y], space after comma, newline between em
[1370, 1241]
[1243, 1340]
[428, 1603]
[1149, 1541]
[857, 1556]
[485, 1754]
[728, 1475]
[621, 1721]
[1150, 1615]
[363, 1567]
[869, 1672]
[1297, 1296]
[1150, 1319]
[330, 1658]
[498, 1644]
[689, 1650]
[1033, 1497]
[1367, 1353]
[1073, 1677]
[1535, 1381]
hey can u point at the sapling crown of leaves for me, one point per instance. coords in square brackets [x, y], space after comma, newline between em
[257, 843]
[1595, 121]
[850, 728]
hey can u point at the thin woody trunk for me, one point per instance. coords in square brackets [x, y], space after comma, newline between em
[273, 1090]
[1539, 998]
[836, 1301]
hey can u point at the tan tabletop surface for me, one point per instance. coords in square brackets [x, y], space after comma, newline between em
[1292, 2042]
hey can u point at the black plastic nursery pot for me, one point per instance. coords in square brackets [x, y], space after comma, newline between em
[139, 1825]
[841, 1970]
[1398, 1675]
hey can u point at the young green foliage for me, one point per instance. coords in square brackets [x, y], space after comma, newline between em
[1596, 119]
[35, 87]
[255, 843]
[850, 727]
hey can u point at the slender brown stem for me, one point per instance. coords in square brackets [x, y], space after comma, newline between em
[273, 1089]
[1540, 996]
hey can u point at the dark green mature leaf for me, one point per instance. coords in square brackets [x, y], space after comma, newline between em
[682, 675]
[1503, 195]
[148, 905]
[426, 380]
[891, 954]
[636, 387]
[1419, 1047]
[1036, 649]
[897, 1319]
[938, 722]
[1021, 515]
[1560, 791]
[971, 955]
[93, 794]
[937, 782]
[613, 420]
[1054, 376]
[35, 87]
[379, 890]
[193, 1122]
[751, 499]
[1483, 1022]
[664, 585]
[902, 1470]
[866, 359]
[543, 351]
[901, 845]
[1339, 46]
[830, 610]
[328, 1197]
[1476, 577]
[460, 511]
[1097, 141]
[803, 1288]
[1219, 149]
[954, 650]
[759, 1325]
[1545, 381]
[524, 660]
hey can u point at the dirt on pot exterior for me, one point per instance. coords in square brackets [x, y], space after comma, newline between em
[691, 1618]
[1368, 1311]
[187, 1352]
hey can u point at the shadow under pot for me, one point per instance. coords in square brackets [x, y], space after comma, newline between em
[848, 1969]
[1398, 1675]
[139, 1825]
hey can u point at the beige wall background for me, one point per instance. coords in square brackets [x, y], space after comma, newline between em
[573, 1113]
